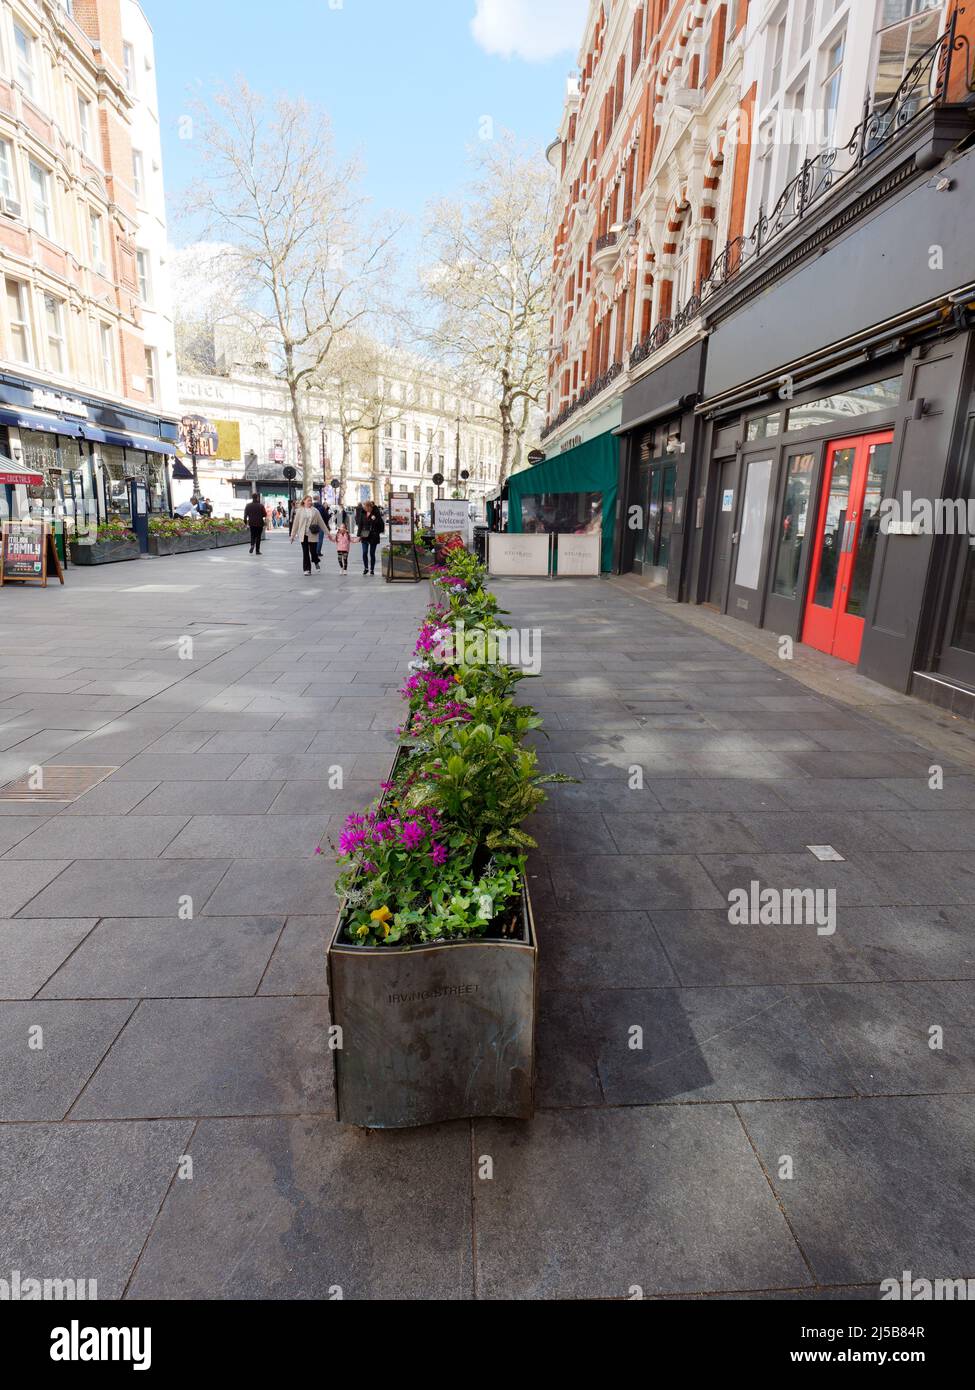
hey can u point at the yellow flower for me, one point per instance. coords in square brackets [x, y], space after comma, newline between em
[383, 915]
[363, 931]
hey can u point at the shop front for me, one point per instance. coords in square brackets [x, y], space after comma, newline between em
[837, 383]
[658, 436]
[575, 493]
[85, 458]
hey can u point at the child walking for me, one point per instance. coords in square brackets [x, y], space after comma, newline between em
[343, 543]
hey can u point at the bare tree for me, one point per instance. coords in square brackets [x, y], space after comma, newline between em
[488, 284]
[274, 192]
[364, 382]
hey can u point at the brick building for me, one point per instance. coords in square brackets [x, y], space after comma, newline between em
[87, 362]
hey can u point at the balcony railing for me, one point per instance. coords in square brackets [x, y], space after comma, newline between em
[925, 85]
[594, 389]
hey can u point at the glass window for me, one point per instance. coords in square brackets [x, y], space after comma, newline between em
[24, 45]
[834, 524]
[8, 188]
[104, 355]
[18, 322]
[764, 427]
[869, 529]
[54, 324]
[907, 29]
[832, 83]
[142, 269]
[97, 244]
[84, 123]
[128, 66]
[138, 173]
[845, 405]
[752, 540]
[775, 50]
[40, 188]
[792, 524]
[152, 374]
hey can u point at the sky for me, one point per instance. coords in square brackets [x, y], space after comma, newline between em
[408, 83]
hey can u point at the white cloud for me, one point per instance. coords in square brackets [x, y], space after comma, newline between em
[535, 30]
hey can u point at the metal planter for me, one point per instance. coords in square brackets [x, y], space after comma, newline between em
[104, 552]
[224, 538]
[434, 1033]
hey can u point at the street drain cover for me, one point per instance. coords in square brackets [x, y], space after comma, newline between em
[55, 783]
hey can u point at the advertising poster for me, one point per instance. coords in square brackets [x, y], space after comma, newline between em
[401, 519]
[452, 519]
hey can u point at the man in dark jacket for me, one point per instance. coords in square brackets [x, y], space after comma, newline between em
[324, 513]
[255, 514]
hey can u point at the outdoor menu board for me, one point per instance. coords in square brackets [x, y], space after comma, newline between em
[401, 519]
[402, 561]
[28, 554]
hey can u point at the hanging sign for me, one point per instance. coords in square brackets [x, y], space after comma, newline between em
[28, 554]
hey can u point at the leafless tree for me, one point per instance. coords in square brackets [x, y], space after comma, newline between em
[488, 284]
[298, 232]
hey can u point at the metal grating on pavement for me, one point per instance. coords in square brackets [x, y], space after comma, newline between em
[55, 783]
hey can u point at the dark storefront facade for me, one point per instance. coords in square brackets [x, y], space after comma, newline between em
[837, 394]
[659, 437]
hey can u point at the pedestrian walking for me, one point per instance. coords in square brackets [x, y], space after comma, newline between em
[305, 526]
[371, 528]
[255, 514]
[324, 513]
[343, 544]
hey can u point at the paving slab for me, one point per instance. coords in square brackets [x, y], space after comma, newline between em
[99, 837]
[48, 1050]
[141, 888]
[594, 1203]
[31, 951]
[166, 958]
[307, 1209]
[79, 1200]
[879, 1186]
[215, 1057]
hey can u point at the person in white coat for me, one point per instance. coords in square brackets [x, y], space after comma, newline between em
[306, 526]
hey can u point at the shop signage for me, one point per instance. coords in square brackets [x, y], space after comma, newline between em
[28, 554]
[198, 436]
[452, 518]
[228, 440]
[572, 443]
[53, 400]
[519, 555]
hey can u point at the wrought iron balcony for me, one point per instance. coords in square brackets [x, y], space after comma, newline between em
[926, 85]
[594, 389]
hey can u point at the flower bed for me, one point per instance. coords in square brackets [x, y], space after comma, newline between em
[432, 968]
[108, 543]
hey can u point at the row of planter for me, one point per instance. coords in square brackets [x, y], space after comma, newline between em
[111, 551]
[433, 963]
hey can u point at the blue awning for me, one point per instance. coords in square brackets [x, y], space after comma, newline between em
[47, 424]
[144, 443]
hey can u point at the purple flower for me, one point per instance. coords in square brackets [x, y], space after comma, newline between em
[439, 855]
[412, 835]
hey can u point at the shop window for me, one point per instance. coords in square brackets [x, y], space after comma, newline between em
[793, 524]
[117, 494]
[764, 427]
[750, 545]
[845, 405]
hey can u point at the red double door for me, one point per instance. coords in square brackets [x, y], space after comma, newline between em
[846, 544]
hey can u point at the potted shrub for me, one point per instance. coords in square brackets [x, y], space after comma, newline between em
[105, 544]
[433, 963]
[165, 535]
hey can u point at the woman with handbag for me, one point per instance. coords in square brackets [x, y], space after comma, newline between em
[370, 530]
[306, 526]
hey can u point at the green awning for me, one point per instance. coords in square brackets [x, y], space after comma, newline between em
[589, 467]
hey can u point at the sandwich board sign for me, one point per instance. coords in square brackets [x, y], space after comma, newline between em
[28, 554]
[403, 563]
